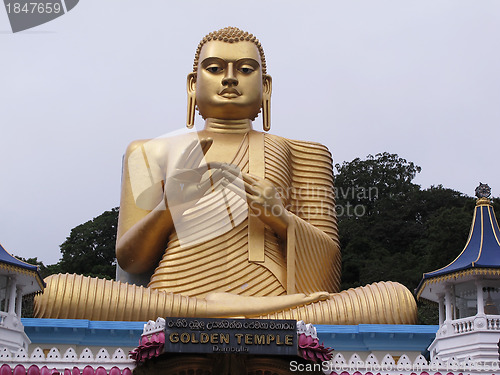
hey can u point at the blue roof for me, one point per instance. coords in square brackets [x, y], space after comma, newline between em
[10, 262]
[82, 332]
[482, 249]
[363, 337]
[377, 337]
[6, 257]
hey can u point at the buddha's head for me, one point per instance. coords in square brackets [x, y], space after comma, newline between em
[229, 79]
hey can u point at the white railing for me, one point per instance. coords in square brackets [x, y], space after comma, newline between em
[403, 365]
[354, 364]
[493, 322]
[118, 361]
[463, 325]
[3, 315]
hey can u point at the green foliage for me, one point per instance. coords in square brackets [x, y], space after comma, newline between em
[428, 312]
[394, 230]
[90, 248]
[363, 182]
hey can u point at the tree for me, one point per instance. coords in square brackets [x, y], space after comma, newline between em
[382, 221]
[390, 229]
[90, 248]
[363, 182]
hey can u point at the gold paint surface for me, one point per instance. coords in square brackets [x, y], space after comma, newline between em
[227, 221]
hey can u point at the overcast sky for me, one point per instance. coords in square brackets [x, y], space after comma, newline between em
[416, 78]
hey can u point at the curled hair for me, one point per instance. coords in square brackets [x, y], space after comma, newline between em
[230, 35]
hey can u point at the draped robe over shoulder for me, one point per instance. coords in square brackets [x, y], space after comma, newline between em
[219, 246]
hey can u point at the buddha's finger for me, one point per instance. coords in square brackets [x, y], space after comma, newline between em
[251, 179]
[204, 168]
[255, 177]
[185, 155]
[250, 183]
[234, 188]
[247, 191]
[213, 165]
[232, 169]
[251, 189]
[197, 153]
[231, 174]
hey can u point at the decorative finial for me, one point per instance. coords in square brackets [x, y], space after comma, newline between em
[483, 191]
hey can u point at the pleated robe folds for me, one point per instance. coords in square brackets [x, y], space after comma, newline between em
[212, 249]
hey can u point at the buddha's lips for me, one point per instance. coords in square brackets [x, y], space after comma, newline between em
[230, 93]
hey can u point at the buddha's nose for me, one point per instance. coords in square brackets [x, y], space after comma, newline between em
[229, 78]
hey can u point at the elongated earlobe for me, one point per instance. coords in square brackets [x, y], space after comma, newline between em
[191, 105]
[266, 115]
[266, 102]
[190, 111]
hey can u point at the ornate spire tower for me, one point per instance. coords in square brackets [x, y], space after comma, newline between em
[468, 291]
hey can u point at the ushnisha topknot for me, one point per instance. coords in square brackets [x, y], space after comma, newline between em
[230, 35]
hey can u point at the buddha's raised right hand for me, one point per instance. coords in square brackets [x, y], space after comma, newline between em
[191, 178]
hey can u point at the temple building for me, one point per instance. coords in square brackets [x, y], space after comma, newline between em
[468, 291]
[17, 279]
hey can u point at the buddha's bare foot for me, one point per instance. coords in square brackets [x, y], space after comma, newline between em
[227, 304]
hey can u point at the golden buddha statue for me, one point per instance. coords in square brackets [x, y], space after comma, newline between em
[227, 221]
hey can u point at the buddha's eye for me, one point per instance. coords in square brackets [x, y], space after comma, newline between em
[246, 69]
[214, 69]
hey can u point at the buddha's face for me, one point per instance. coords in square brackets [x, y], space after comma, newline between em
[228, 83]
